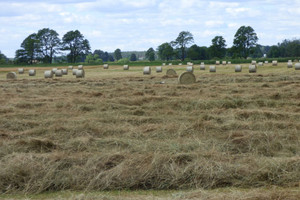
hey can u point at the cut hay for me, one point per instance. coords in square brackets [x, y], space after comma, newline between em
[229, 62]
[48, 74]
[187, 78]
[32, 72]
[202, 63]
[158, 69]
[190, 69]
[253, 62]
[212, 68]
[266, 62]
[105, 66]
[170, 64]
[171, 72]
[164, 64]
[180, 64]
[80, 66]
[190, 63]
[65, 71]
[260, 64]
[58, 73]
[54, 70]
[290, 65]
[274, 63]
[289, 61]
[297, 66]
[202, 67]
[125, 67]
[217, 62]
[80, 73]
[74, 71]
[252, 69]
[147, 70]
[238, 68]
[21, 70]
[11, 75]
[224, 62]
[70, 67]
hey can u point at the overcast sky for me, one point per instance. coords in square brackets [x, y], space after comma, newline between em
[141, 24]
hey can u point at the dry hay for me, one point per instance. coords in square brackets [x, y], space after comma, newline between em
[65, 71]
[212, 68]
[80, 66]
[11, 75]
[70, 67]
[252, 69]
[80, 73]
[48, 74]
[187, 78]
[180, 64]
[229, 62]
[290, 65]
[297, 66]
[58, 73]
[190, 69]
[21, 70]
[202, 67]
[54, 70]
[224, 63]
[190, 63]
[74, 71]
[253, 62]
[202, 63]
[170, 64]
[164, 64]
[260, 64]
[238, 68]
[266, 62]
[171, 72]
[32, 72]
[217, 62]
[147, 70]
[274, 63]
[125, 67]
[158, 69]
[105, 66]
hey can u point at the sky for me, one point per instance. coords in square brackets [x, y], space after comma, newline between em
[141, 24]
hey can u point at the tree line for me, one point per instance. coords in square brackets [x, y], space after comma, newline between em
[45, 45]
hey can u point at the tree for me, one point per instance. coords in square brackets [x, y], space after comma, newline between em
[150, 54]
[165, 51]
[3, 58]
[118, 54]
[184, 38]
[133, 57]
[218, 47]
[93, 59]
[74, 42]
[198, 53]
[244, 41]
[49, 43]
[274, 52]
[29, 51]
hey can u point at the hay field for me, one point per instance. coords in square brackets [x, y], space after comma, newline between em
[121, 130]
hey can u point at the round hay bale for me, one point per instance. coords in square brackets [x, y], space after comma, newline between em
[105, 66]
[202, 63]
[212, 68]
[297, 66]
[21, 70]
[32, 72]
[252, 69]
[266, 62]
[238, 68]
[217, 62]
[224, 63]
[54, 70]
[11, 75]
[70, 67]
[80, 73]
[274, 63]
[80, 66]
[190, 69]
[125, 67]
[65, 71]
[74, 71]
[187, 78]
[158, 69]
[289, 61]
[190, 63]
[170, 64]
[171, 72]
[253, 62]
[147, 70]
[229, 62]
[164, 64]
[58, 73]
[290, 65]
[48, 74]
[180, 64]
[202, 67]
[260, 64]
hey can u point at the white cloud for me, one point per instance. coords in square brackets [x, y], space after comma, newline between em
[213, 23]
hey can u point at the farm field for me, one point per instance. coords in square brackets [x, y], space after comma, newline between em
[123, 135]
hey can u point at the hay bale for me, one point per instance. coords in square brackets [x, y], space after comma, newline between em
[252, 69]
[164, 64]
[253, 62]
[80, 67]
[190, 63]
[190, 69]
[238, 68]
[171, 72]
[202, 67]
[65, 71]
[54, 70]
[229, 62]
[80, 73]
[21, 70]
[274, 63]
[266, 62]
[147, 70]
[105, 66]
[289, 61]
[180, 64]
[11, 75]
[202, 63]
[260, 64]
[74, 71]
[158, 69]
[217, 62]
[125, 67]
[224, 63]
[32, 72]
[70, 67]
[297, 66]
[290, 65]
[187, 78]
[170, 64]
[58, 73]
[212, 68]
[48, 74]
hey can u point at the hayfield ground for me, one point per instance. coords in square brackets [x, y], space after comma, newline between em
[121, 135]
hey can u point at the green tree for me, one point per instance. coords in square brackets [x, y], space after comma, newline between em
[198, 53]
[274, 52]
[150, 54]
[244, 41]
[29, 51]
[182, 41]
[49, 43]
[3, 58]
[165, 51]
[118, 54]
[133, 57]
[74, 42]
[93, 59]
[218, 47]
[257, 52]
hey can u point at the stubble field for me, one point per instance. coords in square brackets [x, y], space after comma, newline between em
[118, 130]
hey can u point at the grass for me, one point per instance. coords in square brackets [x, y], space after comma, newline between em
[118, 130]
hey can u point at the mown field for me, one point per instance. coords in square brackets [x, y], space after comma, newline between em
[121, 135]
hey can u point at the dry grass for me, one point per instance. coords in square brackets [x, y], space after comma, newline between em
[117, 130]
